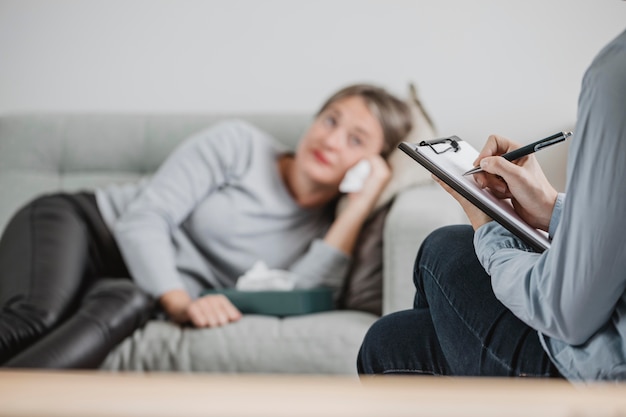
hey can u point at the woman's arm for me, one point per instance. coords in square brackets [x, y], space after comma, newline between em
[144, 232]
[327, 261]
[346, 227]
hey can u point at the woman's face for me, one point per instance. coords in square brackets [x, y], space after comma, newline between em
[343, 134]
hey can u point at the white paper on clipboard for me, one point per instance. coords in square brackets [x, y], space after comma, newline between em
[450, 164]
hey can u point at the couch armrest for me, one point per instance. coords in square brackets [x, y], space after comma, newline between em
[414, 214]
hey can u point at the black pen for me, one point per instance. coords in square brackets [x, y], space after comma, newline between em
[528, 149]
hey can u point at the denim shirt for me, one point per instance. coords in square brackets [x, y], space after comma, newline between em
[574, 293]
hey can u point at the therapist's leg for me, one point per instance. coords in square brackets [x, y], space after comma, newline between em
[457, 326]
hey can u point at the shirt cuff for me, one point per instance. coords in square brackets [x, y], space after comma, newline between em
[556, 214]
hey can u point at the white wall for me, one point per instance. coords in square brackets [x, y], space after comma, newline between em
[481, 66]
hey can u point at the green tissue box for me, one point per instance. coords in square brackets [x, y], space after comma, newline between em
[279, 303]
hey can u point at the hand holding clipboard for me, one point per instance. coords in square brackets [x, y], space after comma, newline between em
[449, 159]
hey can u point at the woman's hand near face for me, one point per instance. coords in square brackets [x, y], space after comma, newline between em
[522, 181]
[207, 311]
[378, 178]
[346, 227]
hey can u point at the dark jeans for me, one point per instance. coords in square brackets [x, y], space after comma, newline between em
[65, 296]
[457, 326]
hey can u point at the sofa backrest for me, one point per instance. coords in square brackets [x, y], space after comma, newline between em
[42, 153]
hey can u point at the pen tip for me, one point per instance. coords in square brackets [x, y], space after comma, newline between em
[472, 171]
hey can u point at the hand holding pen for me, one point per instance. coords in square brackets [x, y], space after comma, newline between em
[528, 149]
[525, 184]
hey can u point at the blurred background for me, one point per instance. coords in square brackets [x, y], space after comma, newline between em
[481, 66]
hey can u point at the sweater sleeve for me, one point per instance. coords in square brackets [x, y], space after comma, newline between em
[321, 266]
[199, 166]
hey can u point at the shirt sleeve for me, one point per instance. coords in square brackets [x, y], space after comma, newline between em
[571, 290]
[197, 167]
[322, 265]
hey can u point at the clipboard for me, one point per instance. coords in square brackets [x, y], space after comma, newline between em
[449, 158]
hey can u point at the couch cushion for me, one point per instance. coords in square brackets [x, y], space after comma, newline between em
[315, 343]
[50, 152]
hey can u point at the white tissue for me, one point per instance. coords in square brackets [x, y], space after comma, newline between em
[260, 277]
[355, 177]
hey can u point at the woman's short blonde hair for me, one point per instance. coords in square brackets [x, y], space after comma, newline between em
[392, 113]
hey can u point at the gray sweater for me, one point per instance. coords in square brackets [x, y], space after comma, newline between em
[216, 206]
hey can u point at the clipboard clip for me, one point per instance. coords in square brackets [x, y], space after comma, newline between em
[454, 144]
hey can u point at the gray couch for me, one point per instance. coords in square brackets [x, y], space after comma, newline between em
[42, 153]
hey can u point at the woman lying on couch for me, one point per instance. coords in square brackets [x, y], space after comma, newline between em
[225, 198]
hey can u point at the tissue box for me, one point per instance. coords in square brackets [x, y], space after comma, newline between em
[279, 303]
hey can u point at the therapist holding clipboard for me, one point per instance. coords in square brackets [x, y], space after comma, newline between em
[489, 304]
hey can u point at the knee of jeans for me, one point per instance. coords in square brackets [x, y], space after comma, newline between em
[119, 302]
[377, 352]
[442, 245]
[364, 357]
[444, 240]
[373, 341]
[432, 248]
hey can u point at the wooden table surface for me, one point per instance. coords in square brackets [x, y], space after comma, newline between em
[87, 393]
